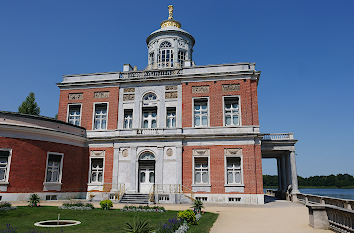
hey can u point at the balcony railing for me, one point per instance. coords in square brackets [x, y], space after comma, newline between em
[339, 212]
[278, 136]
[149, 73]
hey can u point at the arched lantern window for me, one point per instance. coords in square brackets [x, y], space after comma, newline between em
[149, 97]
[147, 156]
[165, 55]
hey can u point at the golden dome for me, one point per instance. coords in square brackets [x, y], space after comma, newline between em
[170, 22]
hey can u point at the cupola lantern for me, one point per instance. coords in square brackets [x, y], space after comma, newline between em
[170, 46]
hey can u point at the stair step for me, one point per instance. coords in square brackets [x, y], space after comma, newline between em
[135, 198]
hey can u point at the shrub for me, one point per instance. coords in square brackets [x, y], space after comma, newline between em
[34, 200]
[138, 225]
[197, 206]
[171, 226]
[106, 204]
[188, 216]
[77, 205]
[146, 208]
[5, 204]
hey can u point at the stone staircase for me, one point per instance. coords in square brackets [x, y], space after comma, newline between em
[135, 198]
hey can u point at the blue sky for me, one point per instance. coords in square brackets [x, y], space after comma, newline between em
[303, 48]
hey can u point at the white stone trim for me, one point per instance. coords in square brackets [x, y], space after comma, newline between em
[208, 103]
[195, 154]
[93, 155]
[42, 195]
[47, 186]
[248, 199]
[233, 153]
[68, 108]
[223, 112]
[5, 183]
[93, 115]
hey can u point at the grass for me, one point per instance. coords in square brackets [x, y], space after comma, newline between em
[204, 224]
[23, 218]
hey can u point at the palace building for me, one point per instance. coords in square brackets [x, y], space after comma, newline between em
[171, 132]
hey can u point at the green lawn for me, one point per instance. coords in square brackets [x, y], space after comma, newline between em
[23, 218]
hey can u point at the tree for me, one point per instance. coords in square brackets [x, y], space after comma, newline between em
[29, 106]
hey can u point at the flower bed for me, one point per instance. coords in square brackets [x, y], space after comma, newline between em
[76, 205]
[4, 205]
[181, 223]
[140, 208]
[174, 225]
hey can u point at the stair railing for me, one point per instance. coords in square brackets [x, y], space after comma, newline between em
[172, 189]
[152, 193]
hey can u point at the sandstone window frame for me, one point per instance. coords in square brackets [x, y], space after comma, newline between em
[97, 170]
[235, 153]
[7, 166]
[128, 118]
[94, 116]
[151, 58]
[171, 120]
[181, 55]
[149, 115]
[200, 99]
[232, 114]
[197, 155]
[68, 112]
[60, 168]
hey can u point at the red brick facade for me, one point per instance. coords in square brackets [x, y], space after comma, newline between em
[248, 98]
[87, 102]
[252, 167]
[28, 165]
[108, 166]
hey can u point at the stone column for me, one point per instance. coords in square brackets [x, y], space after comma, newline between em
[179, 164]
[294, 183]
[133, 171]
[115, 170]
[159, 166]
[280, 187]
[288, 169]
[283, 173]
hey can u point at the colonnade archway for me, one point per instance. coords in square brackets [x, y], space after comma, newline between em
[282, 148]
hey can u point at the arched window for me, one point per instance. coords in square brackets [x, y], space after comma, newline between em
[147, 156]
[165, 55]
[149, 97]
[149, 110]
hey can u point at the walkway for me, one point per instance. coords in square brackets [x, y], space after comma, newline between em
[274, 217]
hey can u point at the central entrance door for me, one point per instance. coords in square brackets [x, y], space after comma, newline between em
[146, 172]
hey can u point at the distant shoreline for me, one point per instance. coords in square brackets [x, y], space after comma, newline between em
[315, 187]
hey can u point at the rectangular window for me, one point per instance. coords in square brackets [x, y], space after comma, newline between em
[150, 117]
[74, 114]
[100, 116]
[181, 57]
[231, 111]
[96, 170]
[171, 118]
[128, 118]
[233, 170]
[201, 112]
[201, 170]
[4, 165]
[54, 167]
[151, 57]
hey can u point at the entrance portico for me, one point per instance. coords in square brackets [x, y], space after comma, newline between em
[282, 148]
[146, 172]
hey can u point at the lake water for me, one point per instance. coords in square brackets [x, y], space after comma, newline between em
[337, 193]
